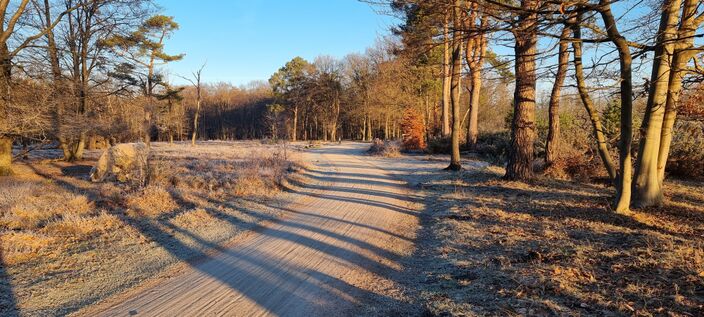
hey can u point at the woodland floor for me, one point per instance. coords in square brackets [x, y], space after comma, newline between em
[492, 247]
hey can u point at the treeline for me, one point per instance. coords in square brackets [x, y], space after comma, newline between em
[228, 112]
[365, 96]
[550, 40]
[359, 97]
[442, 64]
[77, 71]
[87, 73]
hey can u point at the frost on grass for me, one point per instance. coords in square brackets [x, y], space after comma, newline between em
[66, 242]
[554, 248]
[384, 148]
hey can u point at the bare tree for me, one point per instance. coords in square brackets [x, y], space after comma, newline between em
[12, 114]
[446, 75]
[552, 147]
[598, 130]
[455, 82]
[623, 182]
[197, 84]
[477, 24]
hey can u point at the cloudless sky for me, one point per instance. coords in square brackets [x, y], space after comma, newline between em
[247, 40]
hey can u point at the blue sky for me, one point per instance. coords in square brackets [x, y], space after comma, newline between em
[246, 40]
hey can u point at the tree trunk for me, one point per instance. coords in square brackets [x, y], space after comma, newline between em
[624, 179]
[294, 133]
[65, 148]
[370, 124]
[552, 148]
[475, 60]
[147, 127]
[427, 119]
[473, 125]
[602, 145]
[5, 72]
[195, 123]
[446, 89]
[364, 128]
[520, 156]
[5, 141]
[92, 142]
[5, 156]
[683, 53]
[79, 147]
[648, 189]
[455, 83]
[386, 123]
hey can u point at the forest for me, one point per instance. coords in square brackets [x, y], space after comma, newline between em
[632, 82]
[577, 125]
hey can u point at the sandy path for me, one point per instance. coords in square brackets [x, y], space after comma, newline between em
[338, 242]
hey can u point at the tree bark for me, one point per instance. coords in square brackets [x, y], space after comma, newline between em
[294, 133]
[624, 179]
[5, 72]
[602, 145]
[386, 123]
[521, 151]
[684, 51]
[647, 187]
[5, 140]
[369, 128]
[552, 148]
[475, 60]
[446, 89]
[52, 52]
[455, 82]
[147, 126]
[195, 122]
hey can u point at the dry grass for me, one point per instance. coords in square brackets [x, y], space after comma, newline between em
[66, 242]
[555, 248]
[384, 148]
[151, 201]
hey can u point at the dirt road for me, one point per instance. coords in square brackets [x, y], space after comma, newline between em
[337, 245]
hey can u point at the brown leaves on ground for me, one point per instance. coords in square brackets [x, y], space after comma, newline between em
[555, 248]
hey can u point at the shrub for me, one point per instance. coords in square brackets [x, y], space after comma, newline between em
[439, 145]
[687, 151]
[580, 166]
[384, 148]
[413, 130]
[494, 146]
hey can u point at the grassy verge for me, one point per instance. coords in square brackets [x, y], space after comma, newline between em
[67, 242]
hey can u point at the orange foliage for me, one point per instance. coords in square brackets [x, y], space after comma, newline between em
[692, 106]
[413, 130]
